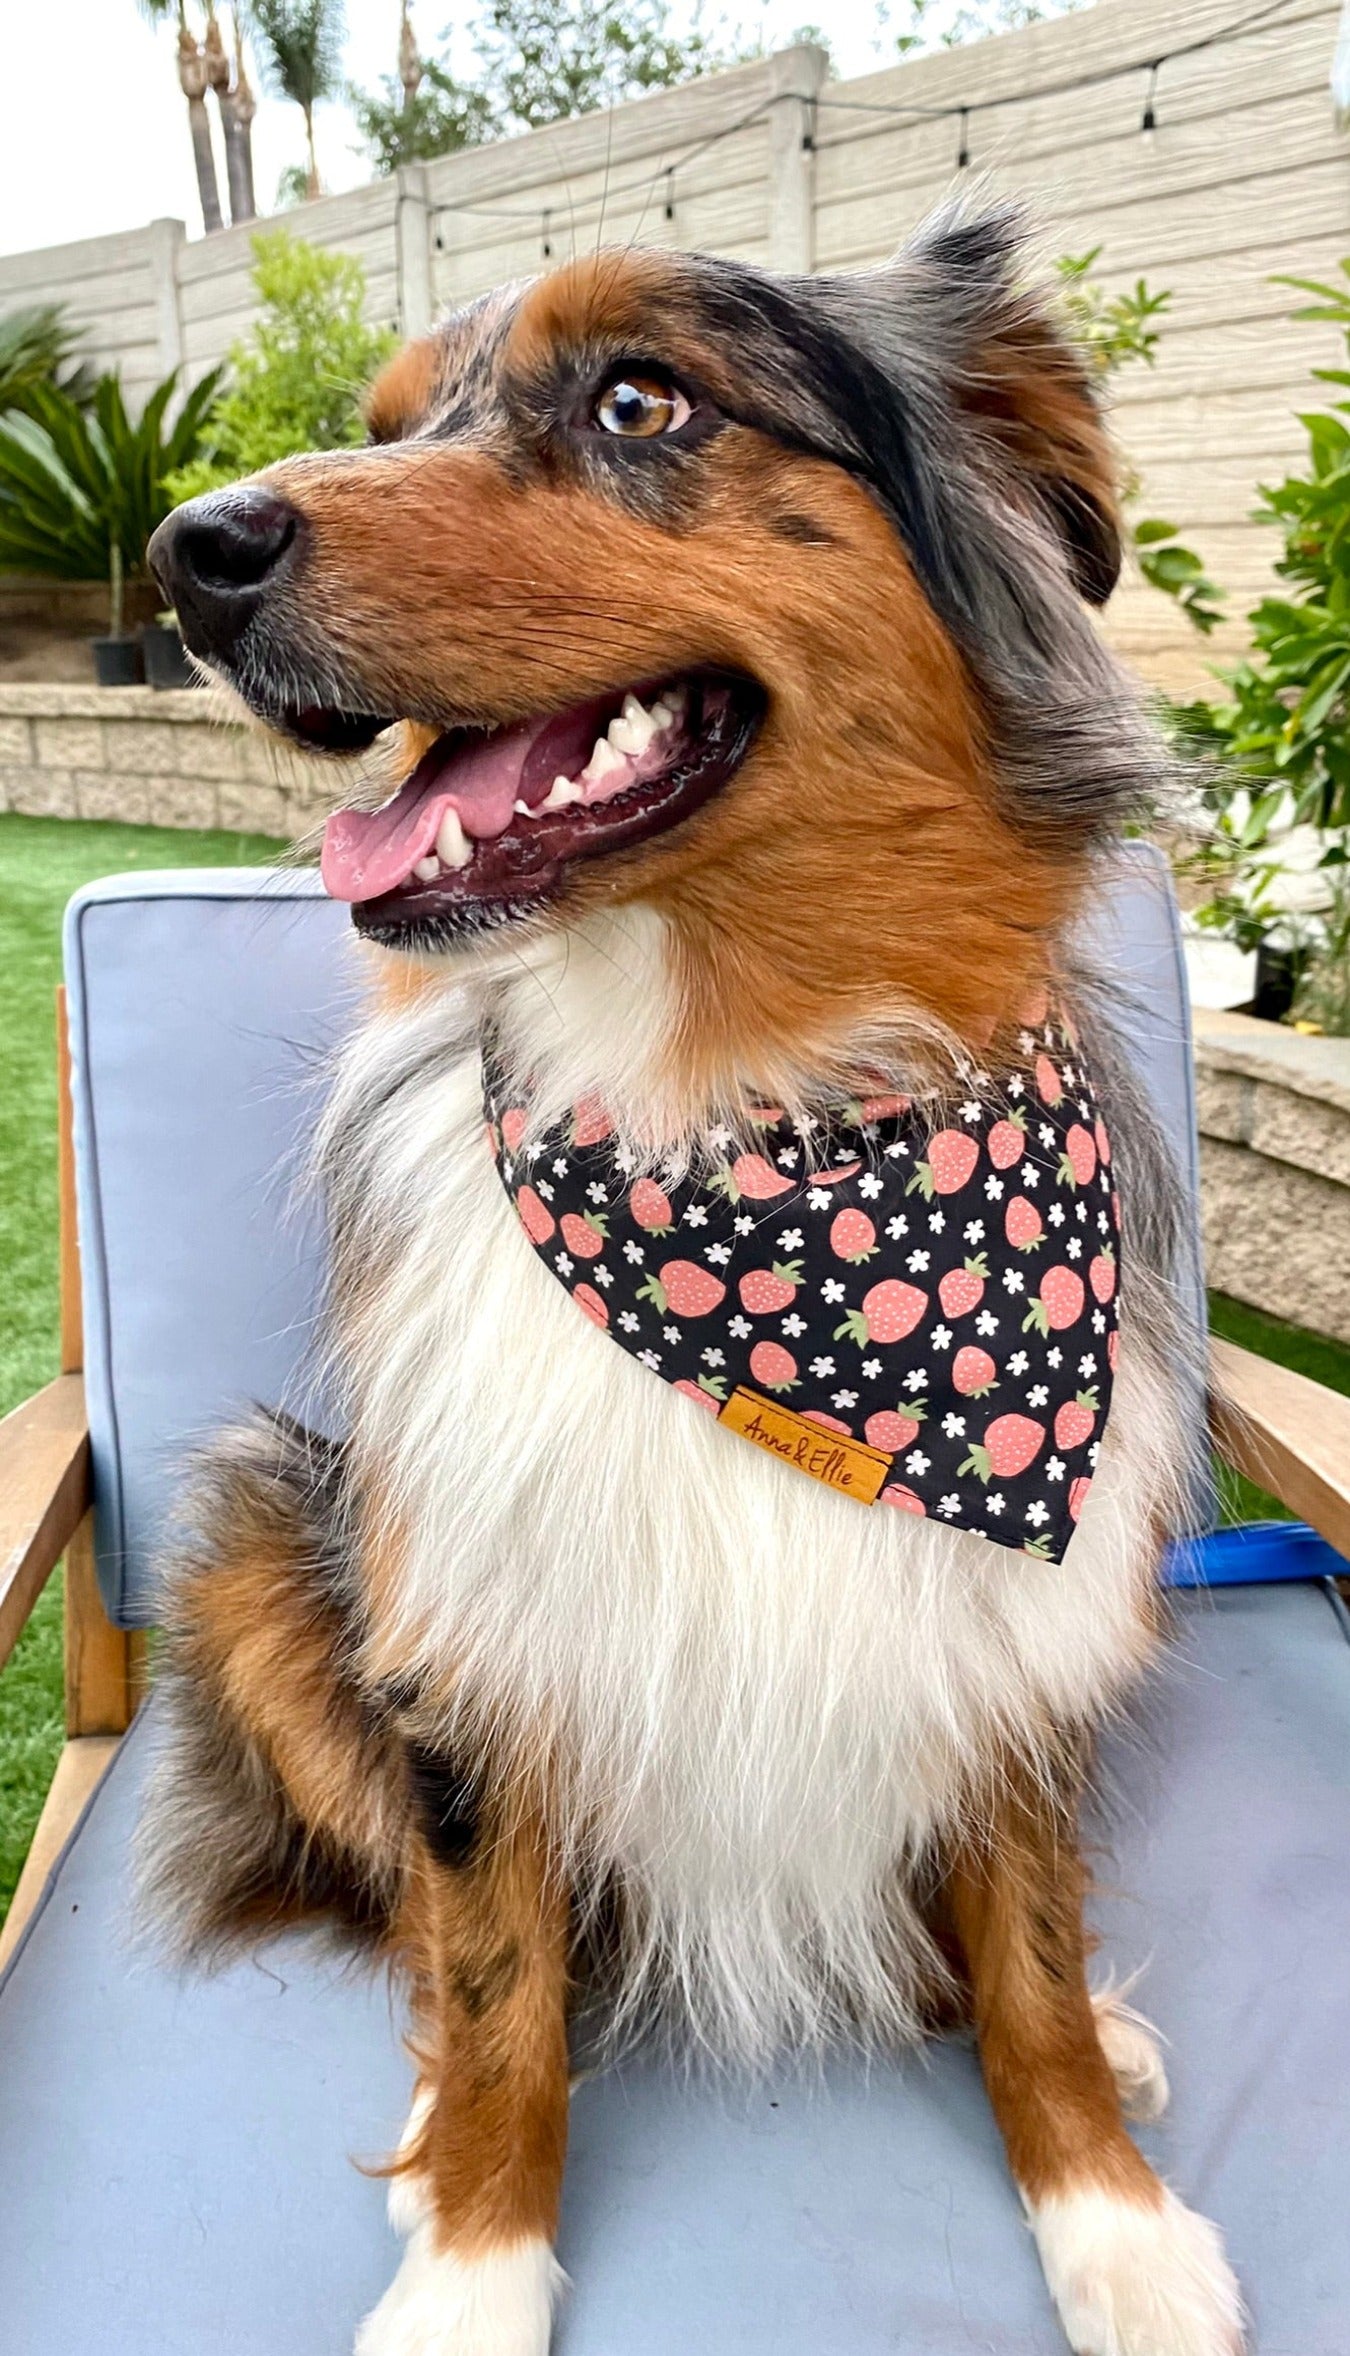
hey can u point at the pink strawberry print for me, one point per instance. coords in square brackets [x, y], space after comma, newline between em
[513, 1128]
[764, 1291]
[889, 1311]
[535, 1216]
[973, 1372]
[883, 1108]
[828, 1423]
[1049, 1086]
[1034, 1009]
[683, 1288]
[1102, 1274]
[1078, 1162]
[1112, 1349]
[709, 1391]
[1010, 1444]
[835, 1175]
[962, 1289]
[853, 1237]
[591, 1124]
[584, 1234]
[1059, 1303]
[752, 1177]
[590, 1304]
[890, 1428]
[1008, 1141]
[1102, 1135]
[773, 1366]
[951, 1159]
[1078, 1495]
[1076, 1420]
[904, 1500]
[650, 1207]
[1023, 1224]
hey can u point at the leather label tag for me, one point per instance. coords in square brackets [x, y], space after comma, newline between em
[832, 1457]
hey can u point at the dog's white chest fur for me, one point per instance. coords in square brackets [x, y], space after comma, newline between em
[761, 1699]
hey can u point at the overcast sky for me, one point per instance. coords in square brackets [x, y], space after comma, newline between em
[95, 132]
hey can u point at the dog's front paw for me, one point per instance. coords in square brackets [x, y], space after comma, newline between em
[438, 2304]
[1131, 2281]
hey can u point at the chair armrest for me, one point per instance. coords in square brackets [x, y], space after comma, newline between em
[1289, 1435]
[44, 1494]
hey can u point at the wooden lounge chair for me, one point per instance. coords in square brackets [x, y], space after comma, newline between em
[176, 2157]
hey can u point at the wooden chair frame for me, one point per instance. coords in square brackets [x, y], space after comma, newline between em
[1288, 1434]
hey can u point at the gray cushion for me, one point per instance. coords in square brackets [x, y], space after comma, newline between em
[202, 1007]
[173, 2158]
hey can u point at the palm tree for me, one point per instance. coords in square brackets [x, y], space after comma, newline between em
[302, 45]
[237, 109]
[192, 81]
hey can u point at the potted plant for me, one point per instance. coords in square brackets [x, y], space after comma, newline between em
[82, 489]
[163, 652]
[117, 658]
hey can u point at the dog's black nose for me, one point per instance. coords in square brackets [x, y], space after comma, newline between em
[216, 556]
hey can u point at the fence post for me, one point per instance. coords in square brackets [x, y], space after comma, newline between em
[166, 237]
[795, 76]
[412, 241]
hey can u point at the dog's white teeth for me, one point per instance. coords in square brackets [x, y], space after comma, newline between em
[602, 763]
[633, 730]
[562, 792]
[668, 708]
[452, 843]
[427, 870]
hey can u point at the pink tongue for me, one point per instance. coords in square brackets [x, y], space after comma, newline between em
[369, 852]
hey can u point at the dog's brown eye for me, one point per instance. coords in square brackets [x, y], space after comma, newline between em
[641, 407]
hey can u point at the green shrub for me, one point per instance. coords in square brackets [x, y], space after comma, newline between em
[298, 383]
[37, 349]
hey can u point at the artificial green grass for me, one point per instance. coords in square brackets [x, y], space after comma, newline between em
[1289, 1345]
[42, 861]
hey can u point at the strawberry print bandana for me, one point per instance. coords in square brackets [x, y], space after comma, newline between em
[918, 1310]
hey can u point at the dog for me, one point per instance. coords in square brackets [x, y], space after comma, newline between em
[754, 756]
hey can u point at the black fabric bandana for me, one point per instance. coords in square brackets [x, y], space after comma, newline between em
[921, 1316]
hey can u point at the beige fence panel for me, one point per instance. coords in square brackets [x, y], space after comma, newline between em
[215, 290]
[119, 291]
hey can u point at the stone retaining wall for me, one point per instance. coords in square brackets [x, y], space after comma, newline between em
[152, 759]
[1274, 1114]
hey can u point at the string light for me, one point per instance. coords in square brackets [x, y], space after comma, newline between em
[1149, 123]
[963, 149]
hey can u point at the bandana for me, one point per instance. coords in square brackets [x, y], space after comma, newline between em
[916, 1314]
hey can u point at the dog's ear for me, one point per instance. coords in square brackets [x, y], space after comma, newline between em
[957, 321]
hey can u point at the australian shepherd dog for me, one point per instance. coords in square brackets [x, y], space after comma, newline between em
[747, 755]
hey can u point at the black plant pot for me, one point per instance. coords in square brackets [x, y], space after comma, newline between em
[1278, 974]
[166, 664]
[117, 662]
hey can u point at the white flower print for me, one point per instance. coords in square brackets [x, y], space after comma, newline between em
[974, 1233]
[740, 1326]
[1037, 1395]
[634, 1252]
[628, 1321]
[792, 1326]
[844, 1399]
[1026, 1040]
[954, 1426]
[993, 1187]
[897, 1227]
[818, 1198]
[1046, 1134]
[790, 1240]
[1016, 1085]
[941, 1337]
[970, 1112]
[1098, 1321]
[787, 1159]
[745, 1225]
[650, 1358]
[917, 1379]
[869, 1185]
[1087, 1365]
[595, 1193]
[996, 1503]
[696, 1215]
[1054, 1468]
[1103, 1223]
[560, 1168]
[806, 1124]
[1094, 1451]
[1013, 1280]
[1030, 1175]
[1080, 1211]
[1055, 1214]
[986, 1322]
[546, 1190]
[717, 1253]
[949, 1504]
[832, 1289]
[564, 1264]
[604, 1276]
[1037, 1513]
[1019, 1362]
[623, 1160]
[937, 1222]
[670, 1333]
[1074, 1247]
[1054, 1357]
[918, 1261]
[916, 1462]
[822, 1366]
[871, 1368]
[722, 1139]
[897, 1152]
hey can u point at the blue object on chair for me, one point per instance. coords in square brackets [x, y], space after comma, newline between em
[1252, 1554]
[175, 2157]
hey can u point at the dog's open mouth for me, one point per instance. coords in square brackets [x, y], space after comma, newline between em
[488, 822]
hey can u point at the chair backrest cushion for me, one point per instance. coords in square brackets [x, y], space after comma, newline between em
[205, 1006]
